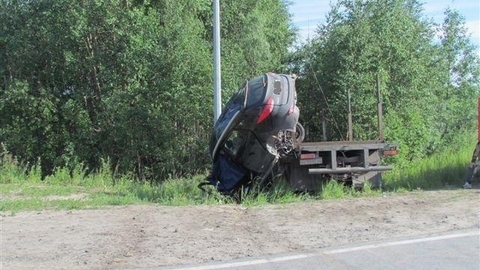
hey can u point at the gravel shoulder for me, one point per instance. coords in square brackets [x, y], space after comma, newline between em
[154, 235]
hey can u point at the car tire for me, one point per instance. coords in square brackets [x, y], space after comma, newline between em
[299, 133]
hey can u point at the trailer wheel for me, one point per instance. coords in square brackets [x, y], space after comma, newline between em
[373, 179]
[376, 181]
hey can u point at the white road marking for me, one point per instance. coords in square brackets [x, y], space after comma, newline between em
[328, 252]
[398, 243]
[247, 263]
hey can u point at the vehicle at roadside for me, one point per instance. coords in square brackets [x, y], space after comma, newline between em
[258, 139]
[258, 125]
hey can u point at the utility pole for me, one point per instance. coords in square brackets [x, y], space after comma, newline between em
[379, 109]
[217, 94]
[350, 121]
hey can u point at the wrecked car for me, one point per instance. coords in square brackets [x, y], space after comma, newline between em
[257, 127]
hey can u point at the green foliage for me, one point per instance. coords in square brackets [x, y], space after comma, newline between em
[21, 188]
[128, 81]
[338, 190]
[428, 87]
[280, 192]
[11, 171]
[122, 88]
[333, 190]
[256, 36]
[443, 169]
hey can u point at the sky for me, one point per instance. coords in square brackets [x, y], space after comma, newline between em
[308, 14]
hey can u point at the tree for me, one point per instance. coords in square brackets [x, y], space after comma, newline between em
[391, 40]
[460, 78]
[125, 80]
[255, 36]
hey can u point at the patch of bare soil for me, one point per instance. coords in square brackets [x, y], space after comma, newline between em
[153, 235]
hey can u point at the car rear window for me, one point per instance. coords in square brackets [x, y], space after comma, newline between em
[257, 88]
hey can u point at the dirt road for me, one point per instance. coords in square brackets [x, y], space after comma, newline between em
[152, 235]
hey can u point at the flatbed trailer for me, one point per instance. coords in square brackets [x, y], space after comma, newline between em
[353, 162]
[350, 161]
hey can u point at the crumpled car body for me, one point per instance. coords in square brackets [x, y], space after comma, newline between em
[257, 127]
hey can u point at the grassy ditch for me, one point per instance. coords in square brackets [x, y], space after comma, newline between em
[437, 171]
[21, 189]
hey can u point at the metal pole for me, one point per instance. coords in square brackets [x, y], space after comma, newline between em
[217, 94]
[379, 109]
[350, 121]
[324, 129]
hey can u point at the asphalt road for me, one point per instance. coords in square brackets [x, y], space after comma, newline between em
[460, 250]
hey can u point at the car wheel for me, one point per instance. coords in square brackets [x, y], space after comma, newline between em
[299, 133]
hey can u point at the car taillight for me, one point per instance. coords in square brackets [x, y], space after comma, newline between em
[267, 110]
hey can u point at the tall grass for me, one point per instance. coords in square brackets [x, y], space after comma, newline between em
[279, 193]
[21, 186]
[437, 171]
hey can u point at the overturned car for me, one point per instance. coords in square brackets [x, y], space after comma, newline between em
[257, 127]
